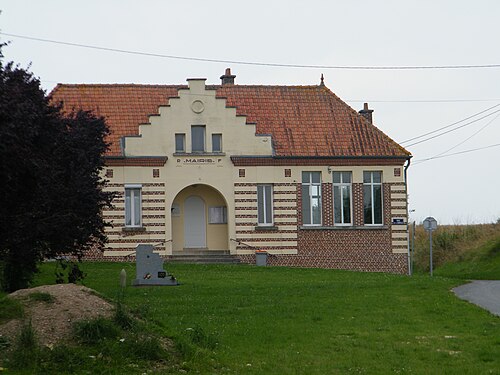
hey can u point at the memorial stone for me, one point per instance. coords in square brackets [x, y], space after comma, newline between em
[149, 268]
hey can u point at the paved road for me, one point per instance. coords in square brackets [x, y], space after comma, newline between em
[484, 293]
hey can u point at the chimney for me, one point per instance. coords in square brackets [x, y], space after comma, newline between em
[227, 78]
[366, 113]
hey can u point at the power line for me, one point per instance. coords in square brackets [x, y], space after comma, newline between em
[239, 62]
[456, 153]
[451, 130]
[466, 139]
[452, 124]
[447, 126]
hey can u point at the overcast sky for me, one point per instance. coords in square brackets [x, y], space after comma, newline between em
[462, 188]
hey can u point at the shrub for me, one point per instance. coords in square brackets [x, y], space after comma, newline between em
[68, 269]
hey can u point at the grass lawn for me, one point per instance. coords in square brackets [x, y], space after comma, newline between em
[257, 320]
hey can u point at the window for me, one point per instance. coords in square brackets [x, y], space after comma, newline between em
[265, 205]
[216, 142]
[133, 206]
[342, 197]
[311, 198]
[372, 197]
[198, 138]
[180, 142]
[217, 215]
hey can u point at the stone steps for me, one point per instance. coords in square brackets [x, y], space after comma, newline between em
[201, 252]
[204, 258]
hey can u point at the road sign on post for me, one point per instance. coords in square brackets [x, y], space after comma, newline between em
[430, 225]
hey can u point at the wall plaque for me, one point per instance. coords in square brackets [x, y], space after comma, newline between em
[199, 160]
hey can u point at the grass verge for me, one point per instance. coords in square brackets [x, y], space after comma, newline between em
[481, 263]
[460, 251]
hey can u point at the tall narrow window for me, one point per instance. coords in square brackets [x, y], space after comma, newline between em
[198, 138]
[372, 197]
[311, 198]
[265, 205]
[342, 197]
[216, 142]
[133, 206]
[180, 142]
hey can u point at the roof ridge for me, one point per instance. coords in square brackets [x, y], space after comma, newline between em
[177, 85]
[119, 85]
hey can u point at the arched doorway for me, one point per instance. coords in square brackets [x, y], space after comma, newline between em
[195, 226]
[199, 221]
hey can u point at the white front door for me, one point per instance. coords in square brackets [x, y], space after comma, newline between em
[195, 233]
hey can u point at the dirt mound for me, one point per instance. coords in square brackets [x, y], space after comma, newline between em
[52, 319]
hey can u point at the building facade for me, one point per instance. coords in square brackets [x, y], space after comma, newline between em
[290, 170]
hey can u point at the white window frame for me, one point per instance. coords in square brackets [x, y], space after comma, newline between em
[267, 195]
[219, 135]
[371, 185]
[130, 208]
[183, 135]
[309, 184]
[204, 140]
[341, 185]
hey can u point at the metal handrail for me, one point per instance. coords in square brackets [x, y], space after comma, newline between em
[239, 242]
[154, 245]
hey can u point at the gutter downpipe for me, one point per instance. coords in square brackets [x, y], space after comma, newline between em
[407, 215]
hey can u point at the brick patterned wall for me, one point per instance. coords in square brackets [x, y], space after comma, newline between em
[357, 201]
[123, 240]
[362, 249]
[386, 191]
[280, 238]
[327, 203]
[397, 205]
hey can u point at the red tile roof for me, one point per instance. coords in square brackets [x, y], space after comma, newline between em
[303, 120]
